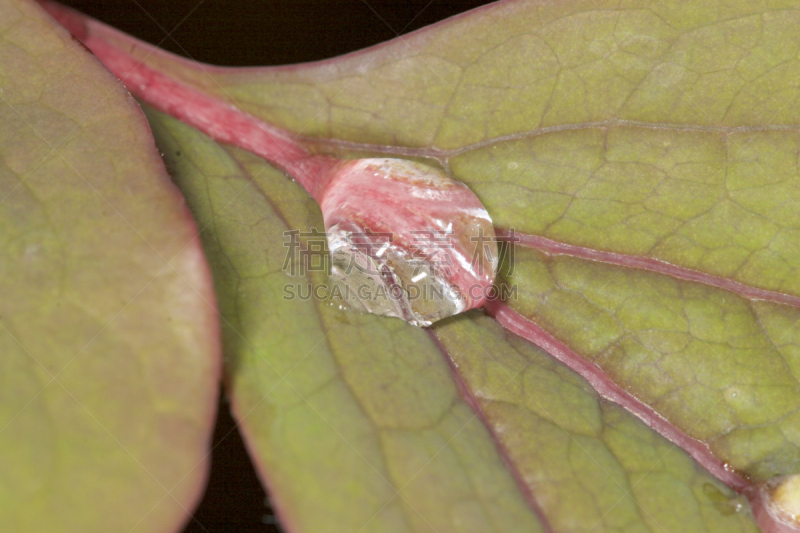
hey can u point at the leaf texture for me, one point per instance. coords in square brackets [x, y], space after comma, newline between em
[647, 153]
[109, 357]
[354, 421]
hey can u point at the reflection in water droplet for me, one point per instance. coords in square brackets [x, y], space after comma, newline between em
[410, 243]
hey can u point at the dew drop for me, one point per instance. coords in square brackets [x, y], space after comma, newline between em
[407, 241]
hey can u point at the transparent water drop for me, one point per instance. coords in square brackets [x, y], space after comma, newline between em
[407, 241]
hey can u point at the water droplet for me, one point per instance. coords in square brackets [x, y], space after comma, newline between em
[412, 244]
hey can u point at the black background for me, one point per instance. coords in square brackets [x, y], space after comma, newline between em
[271, 32]
[268, 32]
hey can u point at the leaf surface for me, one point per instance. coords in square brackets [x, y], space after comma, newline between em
[356, 423]
[108, 330]
[590, 464]
[720, 367]
[320, 392]
[651, 146]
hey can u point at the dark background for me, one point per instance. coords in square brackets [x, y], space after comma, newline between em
[271, 32]
[268, 32]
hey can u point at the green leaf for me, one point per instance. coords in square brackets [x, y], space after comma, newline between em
[354, 421]
[590, 464]
[718, 366]
[109, 357]
[648, 151]
[356, 425]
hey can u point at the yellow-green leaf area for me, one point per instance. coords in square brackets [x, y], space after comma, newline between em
[664, 130]
[725, 204]
[590, 465]
[707, 182]
[516, 67]
[354, 421]
[721, 368]
[108, 349]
